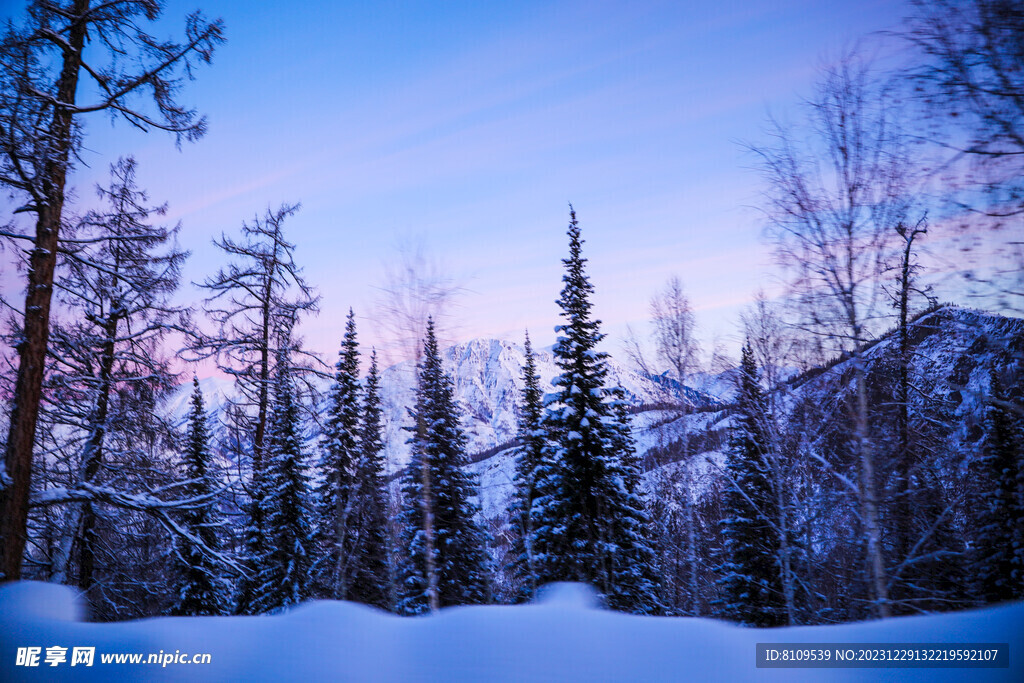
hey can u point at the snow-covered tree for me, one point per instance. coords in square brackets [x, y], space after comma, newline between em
[45, 69]
[370, 580]
[200, 587]
[282, 573]
[750, 580]
[106, 372]
[446, 562]
[836, 190]
[258, 293]
[635, 566]
[528, 458]
[997, 561]
[338, 495]
[587, 518]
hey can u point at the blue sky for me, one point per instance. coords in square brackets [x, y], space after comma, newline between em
[470, 126]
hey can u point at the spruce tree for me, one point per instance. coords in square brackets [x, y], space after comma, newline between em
[528, 458]
[255, 545]
[750, 580]
[997, 558]
[338, 495]
[635, 567]
[201, 587]
[587, 516]
[282, 577]
[447, 562]
[369, 582]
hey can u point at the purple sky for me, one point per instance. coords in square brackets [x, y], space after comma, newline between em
[470, 125]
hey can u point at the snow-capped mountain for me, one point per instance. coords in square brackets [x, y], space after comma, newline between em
[952, 350]
[487, 377]
[487, 374]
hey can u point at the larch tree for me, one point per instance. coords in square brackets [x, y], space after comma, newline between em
[107, 369]
[258, 293]
[44, 66]
[446, 561]
[677, 527]
[834, 198]
[970, 79]
[587, 518]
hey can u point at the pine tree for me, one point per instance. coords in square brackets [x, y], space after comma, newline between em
[370, 580]
[528, 459]
[998, 555]
[338, 495]
[447, 561]
[587, 517]
[283, 571]
[201, 588]
[750, 579]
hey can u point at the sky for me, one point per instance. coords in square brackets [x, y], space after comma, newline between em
[469, 126]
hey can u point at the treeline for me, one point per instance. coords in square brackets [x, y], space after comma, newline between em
[862, 498]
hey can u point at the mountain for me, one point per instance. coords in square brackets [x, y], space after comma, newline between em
[487, 374]
[951, 351]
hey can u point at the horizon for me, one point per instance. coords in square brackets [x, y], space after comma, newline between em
[470, 128]
[466, 131]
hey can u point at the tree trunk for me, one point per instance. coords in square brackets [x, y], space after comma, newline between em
[92, 454]
[904, 507]
[869, 496]
[428, 533]
[32, 349]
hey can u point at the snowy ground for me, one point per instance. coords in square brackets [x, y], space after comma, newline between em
[563, 638]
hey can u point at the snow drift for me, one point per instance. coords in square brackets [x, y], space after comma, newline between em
[564, 637]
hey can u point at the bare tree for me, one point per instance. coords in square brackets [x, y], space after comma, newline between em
[42, 61]
[836, 190]
[968, 75]
[674, 327]
[971, 80]
[416, 288]
[256, 297]
[677, 352]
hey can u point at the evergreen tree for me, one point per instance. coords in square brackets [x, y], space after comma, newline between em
[254, 546]
[370, 579]
[635, 587]
[750, 579]
[587, 517]
[998, 554]
[447, 561]
[338, 495]
[282, 576]
[531, 449]
[201, 587]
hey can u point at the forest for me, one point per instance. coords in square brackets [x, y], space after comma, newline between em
[862, 458]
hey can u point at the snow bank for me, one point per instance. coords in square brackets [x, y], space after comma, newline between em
[562, 638]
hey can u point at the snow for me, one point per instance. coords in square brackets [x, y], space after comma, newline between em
[564, 637]
[487, 378]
